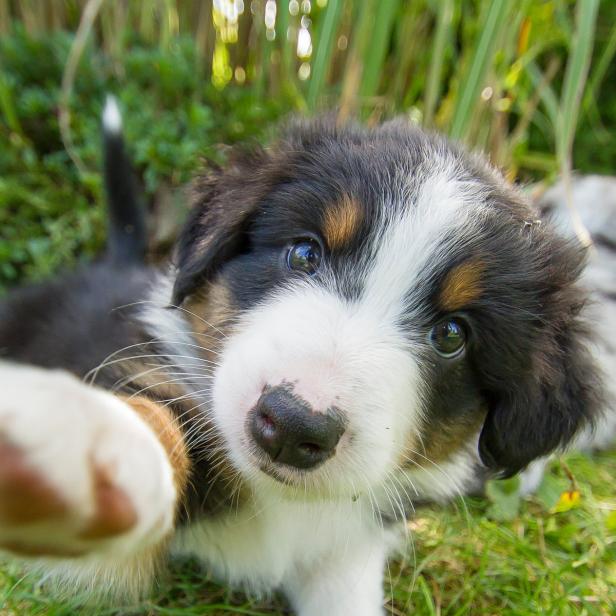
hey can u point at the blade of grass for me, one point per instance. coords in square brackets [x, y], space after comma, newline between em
[599, 70]
[546, 93]
[375, 51]
[286, 49]
[5, 17]
[364, 17]
[443, 27]
[7, 106]
[576, 72]
[496, 17]
[324, 51]
[413, 30]
[88, 17]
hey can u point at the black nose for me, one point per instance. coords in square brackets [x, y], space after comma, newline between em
[290, 432]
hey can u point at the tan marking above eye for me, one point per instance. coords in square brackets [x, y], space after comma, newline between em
[342, 221]
[462, 285]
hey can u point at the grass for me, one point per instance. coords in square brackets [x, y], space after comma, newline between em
[524, 85]
[461, 562]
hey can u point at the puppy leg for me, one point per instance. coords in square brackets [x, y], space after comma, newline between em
[89, 482]
[341, 584]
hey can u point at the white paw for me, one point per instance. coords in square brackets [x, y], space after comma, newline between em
[80, 472]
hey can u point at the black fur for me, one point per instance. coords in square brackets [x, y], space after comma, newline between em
[126, 233]
[76, 321]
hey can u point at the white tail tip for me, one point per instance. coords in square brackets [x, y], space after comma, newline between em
[112, 118]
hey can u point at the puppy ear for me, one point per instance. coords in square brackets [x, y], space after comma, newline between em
[544, 412]
[224, 202]
[548, 397]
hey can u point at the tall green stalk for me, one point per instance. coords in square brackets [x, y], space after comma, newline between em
[575, 78]
[324, 51]
[433, 84]
[497, 12]
[375, 50]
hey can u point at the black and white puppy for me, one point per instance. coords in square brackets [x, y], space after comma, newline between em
[353, 315]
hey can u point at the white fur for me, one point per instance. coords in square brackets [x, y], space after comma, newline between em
[411, 238]
[350, 354]
[325, 555]
[344, 353]
[439, 482]
[112, 118]
[169, 326]
[65, 429]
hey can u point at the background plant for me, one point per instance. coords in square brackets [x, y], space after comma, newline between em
[520, 81]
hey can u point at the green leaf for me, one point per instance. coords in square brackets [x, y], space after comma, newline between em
[444, 20]
[610, 521]
[575, 77]
[550, 490]
[504, 496]
[324, 49]
[495, 19]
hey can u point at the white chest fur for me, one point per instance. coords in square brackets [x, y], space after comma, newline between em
[271, 545]
[265, 545]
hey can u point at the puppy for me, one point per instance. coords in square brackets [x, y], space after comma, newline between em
[354, 318]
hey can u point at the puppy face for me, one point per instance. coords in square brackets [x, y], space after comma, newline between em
[384, 298]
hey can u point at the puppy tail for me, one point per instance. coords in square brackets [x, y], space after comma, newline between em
[127, 236]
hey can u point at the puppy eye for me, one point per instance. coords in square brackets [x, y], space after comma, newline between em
[448, 338]
[304, 256]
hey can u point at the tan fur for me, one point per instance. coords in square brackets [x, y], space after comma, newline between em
[161, 420]
[141, 374]
[441, 439]
[342, 222]
[25, 495]
[210, 314]
[462, 285]
[115, 513]
[26, 549]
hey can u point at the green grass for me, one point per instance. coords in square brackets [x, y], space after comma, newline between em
[460, 562]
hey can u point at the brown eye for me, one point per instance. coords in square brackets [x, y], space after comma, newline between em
[304, 256]
[448, 338]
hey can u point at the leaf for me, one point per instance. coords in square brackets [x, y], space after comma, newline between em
[610, 521]
[504, 496]
[550, 490]
[324, 52]
[483, 56]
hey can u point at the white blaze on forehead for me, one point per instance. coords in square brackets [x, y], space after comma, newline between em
[435, 215]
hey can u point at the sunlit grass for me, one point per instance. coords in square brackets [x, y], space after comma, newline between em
[478, 70]
[460, 563]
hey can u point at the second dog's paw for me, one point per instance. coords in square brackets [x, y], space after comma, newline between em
[80, 472]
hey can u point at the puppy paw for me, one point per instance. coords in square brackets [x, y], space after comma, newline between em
[80, 472]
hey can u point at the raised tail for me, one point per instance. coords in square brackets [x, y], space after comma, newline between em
[126, 235]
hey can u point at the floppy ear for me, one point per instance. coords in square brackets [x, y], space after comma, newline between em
[544, 412]
[224, 202]
[558, 391]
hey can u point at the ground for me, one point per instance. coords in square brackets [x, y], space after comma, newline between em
[464, 559]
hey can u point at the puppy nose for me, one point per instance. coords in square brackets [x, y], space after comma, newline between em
[290, 432]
